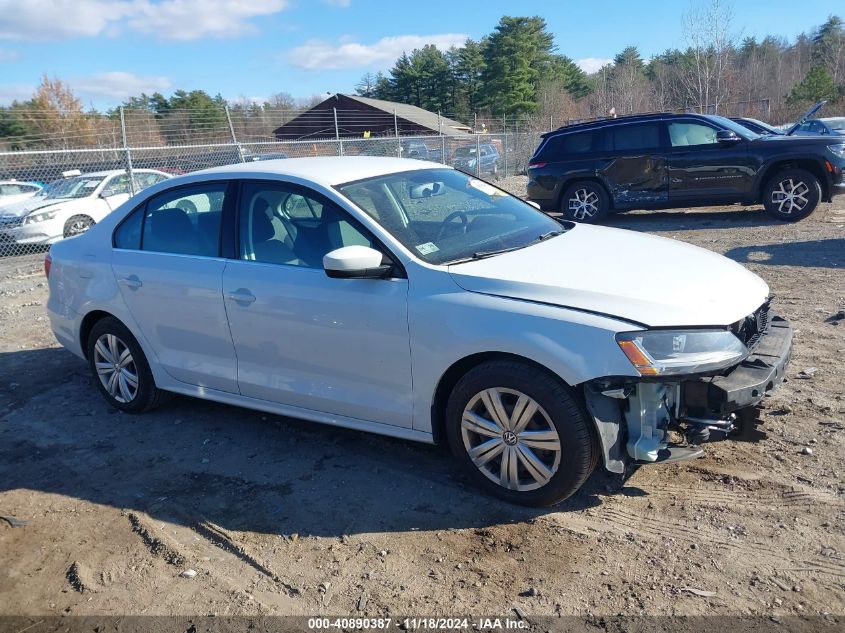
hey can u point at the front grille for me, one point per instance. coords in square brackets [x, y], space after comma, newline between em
[751, 328]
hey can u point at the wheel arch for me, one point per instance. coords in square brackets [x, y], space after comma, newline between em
[459, 368]
[87, 324]
[808, 164]
[569, 181]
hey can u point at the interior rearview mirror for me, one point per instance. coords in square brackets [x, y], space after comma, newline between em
[427, 190]
[727, 136]
[355, 262]
[533, 204]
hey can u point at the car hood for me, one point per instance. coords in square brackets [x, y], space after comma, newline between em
[814, 140]
[25, 207]
[806, 116]
[641, 278]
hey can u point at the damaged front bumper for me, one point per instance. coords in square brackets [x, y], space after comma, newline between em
[636, 418]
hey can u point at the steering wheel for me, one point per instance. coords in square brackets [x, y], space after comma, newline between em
[455, 214]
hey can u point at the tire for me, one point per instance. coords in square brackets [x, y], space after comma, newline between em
[792, 195]
[77, 225]
[557, 417]
[585, 201]
[114, 339]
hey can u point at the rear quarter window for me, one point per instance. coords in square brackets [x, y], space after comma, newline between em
[565, 145]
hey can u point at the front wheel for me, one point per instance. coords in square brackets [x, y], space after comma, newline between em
[585, 201]
[519, 433]
[77, 225]
[792, 195]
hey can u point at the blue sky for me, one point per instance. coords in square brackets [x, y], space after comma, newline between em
[109, 49]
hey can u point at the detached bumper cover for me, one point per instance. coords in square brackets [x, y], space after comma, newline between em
[748, 383]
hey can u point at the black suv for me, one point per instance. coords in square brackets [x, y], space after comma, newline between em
[661, 161]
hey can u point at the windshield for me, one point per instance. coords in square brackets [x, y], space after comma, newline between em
[444, 216]
[463, 152]
[79, 187]
[741, 130]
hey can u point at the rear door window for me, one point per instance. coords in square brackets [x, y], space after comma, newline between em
[636, 136]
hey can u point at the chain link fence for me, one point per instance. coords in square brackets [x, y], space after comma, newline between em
[49, 195]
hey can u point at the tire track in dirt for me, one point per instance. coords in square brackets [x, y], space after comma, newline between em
[743, 553]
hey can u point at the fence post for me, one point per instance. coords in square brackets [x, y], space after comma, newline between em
[505, 150]
[128, 154]
[477, 155]
[551, 122]
[337, 134]
[234, 138]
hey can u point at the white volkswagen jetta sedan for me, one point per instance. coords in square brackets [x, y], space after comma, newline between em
[413, 300]
[71, 206]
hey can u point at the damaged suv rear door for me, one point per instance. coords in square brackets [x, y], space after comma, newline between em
[633, 164]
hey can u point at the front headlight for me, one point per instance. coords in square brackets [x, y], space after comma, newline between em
[837, 150]
[41, 216]
[672, 352]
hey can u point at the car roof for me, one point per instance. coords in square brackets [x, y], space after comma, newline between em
[631, 118]
[112, 172]
[20, 182]
[325, 170]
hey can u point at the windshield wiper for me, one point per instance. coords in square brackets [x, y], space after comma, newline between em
[486, 254]
[545, 236]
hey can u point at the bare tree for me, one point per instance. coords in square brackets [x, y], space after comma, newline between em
[710, 42]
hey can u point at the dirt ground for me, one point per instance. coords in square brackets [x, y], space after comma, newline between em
[278, 516]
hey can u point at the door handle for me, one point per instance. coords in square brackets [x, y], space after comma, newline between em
[241, 295]
[132, 282]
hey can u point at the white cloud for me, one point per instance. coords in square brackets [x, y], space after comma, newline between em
[8, 56]
[163, 19]
[323, 55]
[58, 19]
[116, 86]
[592, 64]
[18, 92]
[194, 19]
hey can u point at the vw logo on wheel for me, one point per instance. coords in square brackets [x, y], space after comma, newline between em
[509, 438]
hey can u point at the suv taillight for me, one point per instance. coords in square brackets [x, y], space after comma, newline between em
[536, 165]
[48, 263]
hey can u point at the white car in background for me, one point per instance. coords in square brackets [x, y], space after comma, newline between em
[71, 206]
[15, 191]
[410, 299]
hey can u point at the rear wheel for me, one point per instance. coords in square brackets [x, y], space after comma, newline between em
[77, 225]
[121, 369]
[519, 433]
[585, 201]
[792, 195]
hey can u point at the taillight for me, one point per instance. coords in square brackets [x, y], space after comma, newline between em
[536, 165]
[48, 263]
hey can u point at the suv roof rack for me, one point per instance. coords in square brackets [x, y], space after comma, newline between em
[645, 116]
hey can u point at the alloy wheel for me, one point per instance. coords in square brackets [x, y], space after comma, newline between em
[510, 439]
[790, 195]
[584, 204]
[77, 227]
[116, 368]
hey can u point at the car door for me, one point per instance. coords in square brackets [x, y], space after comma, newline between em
[114, 193]
[701, 168]
[633, 164]
[168, 265]
[339, 346]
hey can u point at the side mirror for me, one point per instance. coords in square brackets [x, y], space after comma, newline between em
[727, 136]
[355, 262]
